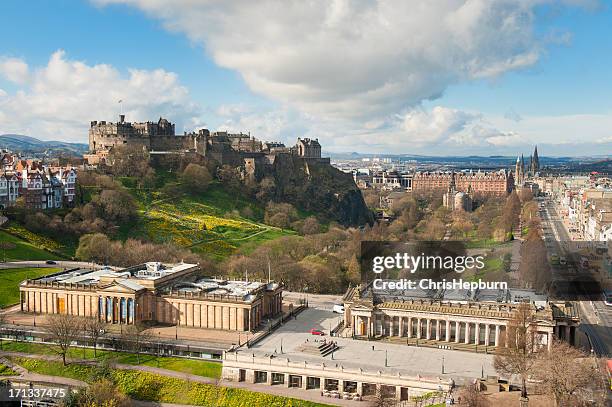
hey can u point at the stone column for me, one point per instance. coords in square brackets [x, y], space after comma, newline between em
[360, 388]
[391, 324]
[304, 382]
[437, 329]
[398, 393]
[409, 327]
[507, 335]
[457, 331]
[467, 332]
[418, 333]
[496, 335]
[447, 330]
[477, 334]
[487, 334]
[550, 340]
[428, 327]
[401, 327]
[269, 378]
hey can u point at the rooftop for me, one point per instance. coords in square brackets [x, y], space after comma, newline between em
[147, 271]
[214, 286]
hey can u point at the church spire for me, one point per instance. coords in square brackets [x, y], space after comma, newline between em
[535, 163]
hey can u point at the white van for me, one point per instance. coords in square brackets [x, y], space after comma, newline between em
[338, 309]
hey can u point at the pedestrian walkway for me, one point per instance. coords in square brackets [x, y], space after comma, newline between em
[309, 395]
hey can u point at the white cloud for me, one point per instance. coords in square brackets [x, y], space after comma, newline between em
[61, 98]
[360, 60]
[14, 69]
[438, 125]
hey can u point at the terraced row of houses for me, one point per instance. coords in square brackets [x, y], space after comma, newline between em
[41, 187]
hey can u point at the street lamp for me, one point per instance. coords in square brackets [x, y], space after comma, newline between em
[442, 364]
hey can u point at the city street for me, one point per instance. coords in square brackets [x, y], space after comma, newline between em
[596, 317]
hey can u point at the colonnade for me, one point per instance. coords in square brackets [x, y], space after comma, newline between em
[445, 330]
[116, 309]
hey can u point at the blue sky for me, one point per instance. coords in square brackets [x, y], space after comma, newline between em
[476, 78]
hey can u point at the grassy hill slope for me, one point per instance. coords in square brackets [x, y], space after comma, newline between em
[210, 223]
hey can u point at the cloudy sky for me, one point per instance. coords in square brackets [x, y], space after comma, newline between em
[415, 77]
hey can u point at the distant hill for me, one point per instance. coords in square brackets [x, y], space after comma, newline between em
[26, 144]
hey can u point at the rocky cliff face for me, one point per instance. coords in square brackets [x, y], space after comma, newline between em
[317, 187]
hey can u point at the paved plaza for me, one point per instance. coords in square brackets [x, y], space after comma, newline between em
[405, 359]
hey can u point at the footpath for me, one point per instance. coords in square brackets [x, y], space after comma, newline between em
[308, 395]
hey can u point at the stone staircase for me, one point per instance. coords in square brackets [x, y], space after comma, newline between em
[318, 348]
[327, 348]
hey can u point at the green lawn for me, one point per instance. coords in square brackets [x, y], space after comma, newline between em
[10, 279]
[152, 387]
[192, 366]
[23, 250]
[6, 371]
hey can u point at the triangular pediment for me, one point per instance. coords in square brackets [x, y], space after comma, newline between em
[117, 287]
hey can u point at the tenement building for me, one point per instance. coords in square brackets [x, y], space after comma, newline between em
[457, 320]
[497, 183]
[40, 185]
[154, 293]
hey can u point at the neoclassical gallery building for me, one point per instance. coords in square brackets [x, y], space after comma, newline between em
[154, 292]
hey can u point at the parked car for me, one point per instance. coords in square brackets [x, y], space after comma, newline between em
[338, 309]
[51, 262]
[317, 332]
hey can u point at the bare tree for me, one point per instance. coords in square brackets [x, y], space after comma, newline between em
[103, 393]
[472, 397]
[195, 178]
[519, 357]
[135, 337]
[95, 328]
[569, 375]
[63, 330]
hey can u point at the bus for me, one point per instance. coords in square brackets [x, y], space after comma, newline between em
[607, 297]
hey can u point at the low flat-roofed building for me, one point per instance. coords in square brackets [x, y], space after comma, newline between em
[156, 293]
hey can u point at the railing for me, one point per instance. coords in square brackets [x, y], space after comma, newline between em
[268, 363]
[270, 328]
